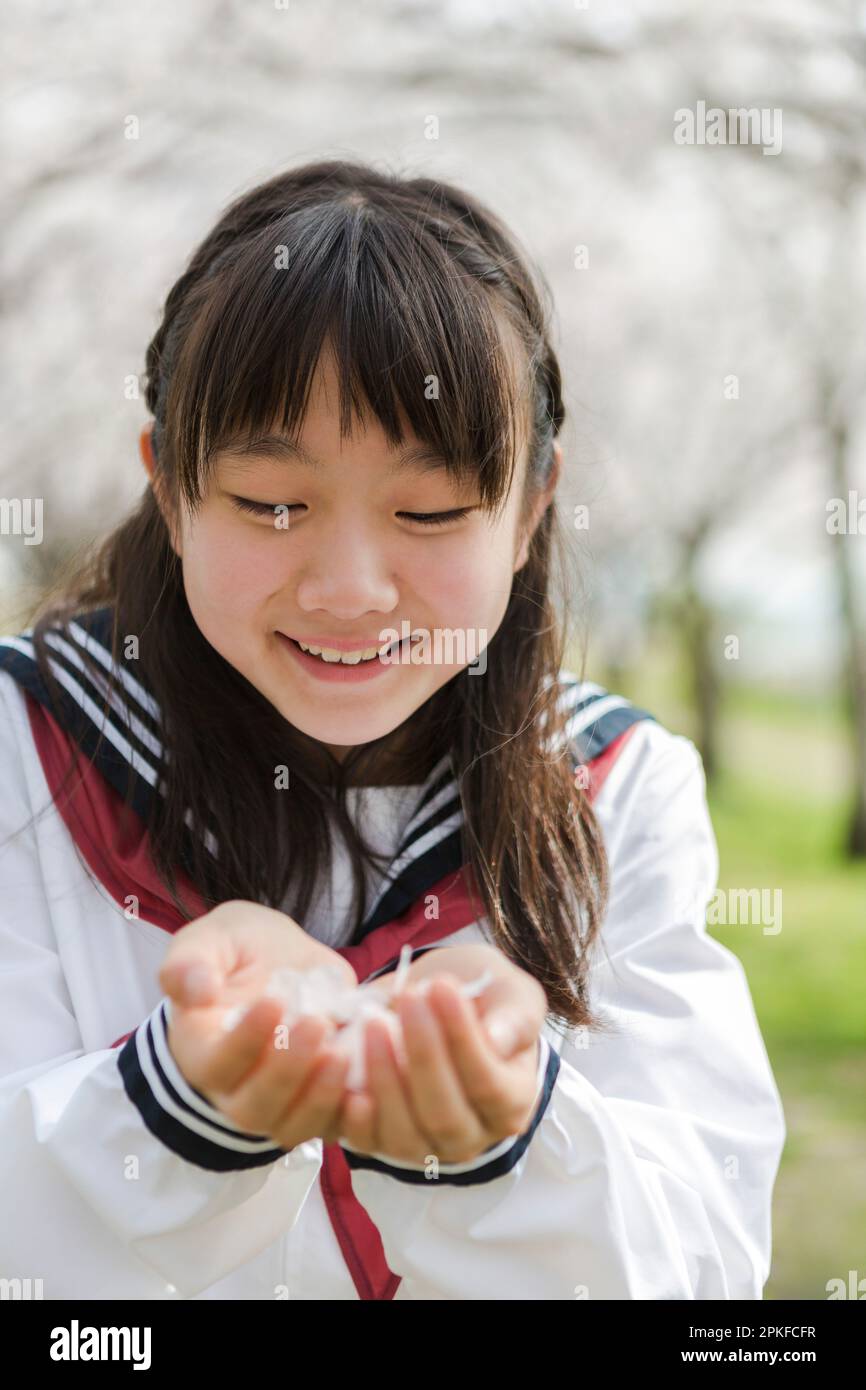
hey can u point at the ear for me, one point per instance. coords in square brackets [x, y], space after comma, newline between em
[539, 507]
[145, 448]
[148, 458]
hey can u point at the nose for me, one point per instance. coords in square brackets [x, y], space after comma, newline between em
[346, 573]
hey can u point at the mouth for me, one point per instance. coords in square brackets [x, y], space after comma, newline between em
[327, 666]
[329, 656]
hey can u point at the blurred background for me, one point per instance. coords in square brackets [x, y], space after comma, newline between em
[709, 279]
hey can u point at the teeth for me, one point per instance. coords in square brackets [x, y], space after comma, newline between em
[346, 658]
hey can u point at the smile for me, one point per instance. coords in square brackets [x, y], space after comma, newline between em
[331, 654]
[328, 665]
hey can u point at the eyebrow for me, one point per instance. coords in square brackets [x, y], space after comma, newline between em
[422, 459]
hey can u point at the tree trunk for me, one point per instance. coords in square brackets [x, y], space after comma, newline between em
[699, 634]
[852, 629]
[697, 626]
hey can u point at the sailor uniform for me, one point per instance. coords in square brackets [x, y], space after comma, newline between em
[648, 1165]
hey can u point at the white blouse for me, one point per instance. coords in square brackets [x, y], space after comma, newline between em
[647, 1172]
[382, 814]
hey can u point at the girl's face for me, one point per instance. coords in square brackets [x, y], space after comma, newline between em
[335, 559]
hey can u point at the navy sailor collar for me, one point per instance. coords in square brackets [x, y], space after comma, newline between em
[121, 737]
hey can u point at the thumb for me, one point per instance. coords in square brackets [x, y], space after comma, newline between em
[190, 979]
[508, 1032]
[510, 1014]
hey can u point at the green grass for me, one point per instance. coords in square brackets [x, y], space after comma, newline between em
[792, 708]
[807, 985]
[779, 808]
[806, 978]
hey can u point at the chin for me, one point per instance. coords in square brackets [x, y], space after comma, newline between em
[342, 732]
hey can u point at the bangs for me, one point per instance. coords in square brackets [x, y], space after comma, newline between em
[415, 336]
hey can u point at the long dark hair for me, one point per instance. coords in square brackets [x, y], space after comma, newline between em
[403, 278]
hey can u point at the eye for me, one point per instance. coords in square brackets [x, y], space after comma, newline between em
[246, 504]
[436, 518]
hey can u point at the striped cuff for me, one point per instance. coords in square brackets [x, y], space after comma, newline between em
[493, 1163]
[179, 1115]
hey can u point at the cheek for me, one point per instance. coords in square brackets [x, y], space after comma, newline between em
[467, 584]
[228, 568]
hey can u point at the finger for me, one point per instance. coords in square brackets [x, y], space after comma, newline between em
[264, 1093]
[512, 1009]
[357, 1122]
[238, 1052]
[197, 962]
[486, 1079]
[318, 1105]
[436, 1093]
[331, 1132]
[192, 982]
[395, 1131]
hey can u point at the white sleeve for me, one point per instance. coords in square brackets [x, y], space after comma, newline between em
[117, 1178]
[648, 1169]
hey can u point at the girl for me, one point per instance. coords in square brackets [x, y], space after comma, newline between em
[232, 745]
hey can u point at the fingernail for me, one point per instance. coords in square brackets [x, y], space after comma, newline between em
[198, 982]
[502, 1032]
